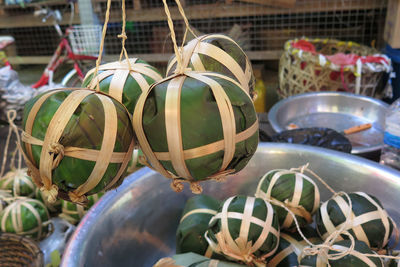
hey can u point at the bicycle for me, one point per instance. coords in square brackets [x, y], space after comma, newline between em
[79, 44]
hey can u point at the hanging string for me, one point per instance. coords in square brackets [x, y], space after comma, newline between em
[103, 36]
[11, 116]
[187, 28]
[124, 37]
[173, 37]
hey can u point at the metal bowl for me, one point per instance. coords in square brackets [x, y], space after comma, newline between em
[335, 110]
[135, 225]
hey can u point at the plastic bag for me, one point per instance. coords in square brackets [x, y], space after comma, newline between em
[321, 137]
[14, 94]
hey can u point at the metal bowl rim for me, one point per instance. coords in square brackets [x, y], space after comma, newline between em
[83, 229]
[272, 114]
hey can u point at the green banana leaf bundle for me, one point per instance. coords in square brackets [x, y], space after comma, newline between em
[51, 207]
[295, 191]
[18, 182]
[245, 229]
[192, 260]
[27, 217]
[217, 53]
[193, 225]
[73, 213]
[5, 198]
[124, 82]
[196, 126]
[355, 258]
[369, 221]
[76, 142]
[291, 246]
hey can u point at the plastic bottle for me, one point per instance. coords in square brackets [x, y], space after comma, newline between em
[260, 89]
[390, 154]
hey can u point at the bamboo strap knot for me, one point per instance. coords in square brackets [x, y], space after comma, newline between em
[76, 198]
[50, 193]
[221, 176]
[177, 185]
[242, 253]
[196, 187]
[58, 150]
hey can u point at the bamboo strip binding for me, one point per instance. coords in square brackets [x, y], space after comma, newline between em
[53, 151]
[14, 211]
[176, 153]
[199, 46]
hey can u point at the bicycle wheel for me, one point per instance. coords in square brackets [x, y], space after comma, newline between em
[71, 79]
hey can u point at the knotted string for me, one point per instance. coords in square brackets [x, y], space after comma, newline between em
[11, 116]
[124, 37]
[195, 187]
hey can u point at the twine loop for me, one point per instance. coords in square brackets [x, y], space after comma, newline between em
[50, 193]
[322, 250]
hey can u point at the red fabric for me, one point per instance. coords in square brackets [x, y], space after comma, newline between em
[351, 59]
[340, 59]
[304, 45]
[343, 59]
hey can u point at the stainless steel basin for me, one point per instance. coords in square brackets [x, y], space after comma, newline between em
[335, 110]
[135, 225]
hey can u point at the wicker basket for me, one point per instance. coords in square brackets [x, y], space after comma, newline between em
[310, 65]
[17, 250]
[85, 39]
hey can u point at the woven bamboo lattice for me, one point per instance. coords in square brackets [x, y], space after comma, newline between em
[311, 65]
[21, 251]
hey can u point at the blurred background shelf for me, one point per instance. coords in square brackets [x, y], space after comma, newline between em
[261, 29]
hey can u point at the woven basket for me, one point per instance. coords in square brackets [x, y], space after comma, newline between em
[311, 65]
[17, 250]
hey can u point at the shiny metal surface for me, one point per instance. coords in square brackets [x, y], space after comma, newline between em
[135, 225]
[58, 239]
[335, 110]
